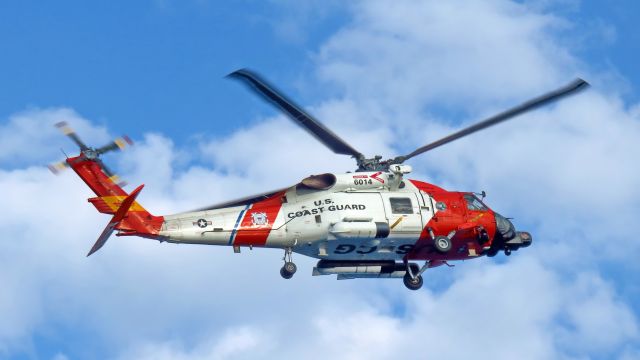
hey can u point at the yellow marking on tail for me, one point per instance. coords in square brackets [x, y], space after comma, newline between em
[114, 203]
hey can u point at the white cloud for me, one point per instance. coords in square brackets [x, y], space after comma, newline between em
[134, 292]
[470, 316]
[236, 343]
[598, 320]
[30, 136]
[411, 54]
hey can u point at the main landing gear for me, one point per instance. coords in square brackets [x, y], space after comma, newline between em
[414, 283]
[413, 277]
[289, 268]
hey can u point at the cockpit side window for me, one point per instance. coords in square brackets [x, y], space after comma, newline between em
[473, 203]
[401, 205]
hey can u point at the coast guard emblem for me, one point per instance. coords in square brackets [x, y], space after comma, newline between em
[259, 219]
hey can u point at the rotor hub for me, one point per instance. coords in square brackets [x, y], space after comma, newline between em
[90, 153]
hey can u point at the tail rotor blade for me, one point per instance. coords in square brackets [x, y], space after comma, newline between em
[68, 131]
[112, 176]
[118, 144]
[58, 167]
[105, 168]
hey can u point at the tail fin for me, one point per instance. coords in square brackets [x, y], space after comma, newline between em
[129, 217]
[115, 221]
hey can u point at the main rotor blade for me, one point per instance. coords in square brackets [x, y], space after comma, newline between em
[299, 116]
[67, 130]
[532, 104]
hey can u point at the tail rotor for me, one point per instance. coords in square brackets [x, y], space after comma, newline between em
[89, 153]
[58, 167]
[120, 143]
[68, 131]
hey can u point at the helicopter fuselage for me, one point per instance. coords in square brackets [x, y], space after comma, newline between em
[352, 217]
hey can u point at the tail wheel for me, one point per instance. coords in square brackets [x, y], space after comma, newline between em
[288, 270]
[442, 244]
[285, 274]
[412, 283]
[290, 267]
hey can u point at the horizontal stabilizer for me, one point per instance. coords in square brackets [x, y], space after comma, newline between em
[117, 218]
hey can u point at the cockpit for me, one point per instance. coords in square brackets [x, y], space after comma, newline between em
[473, 203]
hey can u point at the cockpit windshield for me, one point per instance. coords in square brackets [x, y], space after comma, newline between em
[473, 203]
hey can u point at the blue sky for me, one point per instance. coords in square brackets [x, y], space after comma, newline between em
[388, 77]
[163, 62]
[149, 62]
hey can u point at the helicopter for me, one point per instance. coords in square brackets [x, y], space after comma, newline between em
[373, 222]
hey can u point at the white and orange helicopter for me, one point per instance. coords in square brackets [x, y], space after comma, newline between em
[371, 223]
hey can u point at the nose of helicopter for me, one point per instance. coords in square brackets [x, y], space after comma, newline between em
[505, 229]
[507, 238]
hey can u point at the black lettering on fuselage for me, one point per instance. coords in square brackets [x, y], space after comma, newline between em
[368, 251]
[320, 209]
[344, 249]
[364, 249]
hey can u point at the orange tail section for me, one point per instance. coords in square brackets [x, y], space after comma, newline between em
[115, 221]
[132, 219]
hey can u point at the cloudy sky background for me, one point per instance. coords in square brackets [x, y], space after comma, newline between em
[388, 77]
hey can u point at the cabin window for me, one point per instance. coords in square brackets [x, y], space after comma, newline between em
[473, 203]
[401, 205]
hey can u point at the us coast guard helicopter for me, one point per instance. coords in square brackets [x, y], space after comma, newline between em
[371, 223]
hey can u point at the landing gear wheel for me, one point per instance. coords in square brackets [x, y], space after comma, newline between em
[412, 283]
[288, 270]
[442, 244]
[507, 251]
[492, 252]
[290, 267]
[285, 274]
